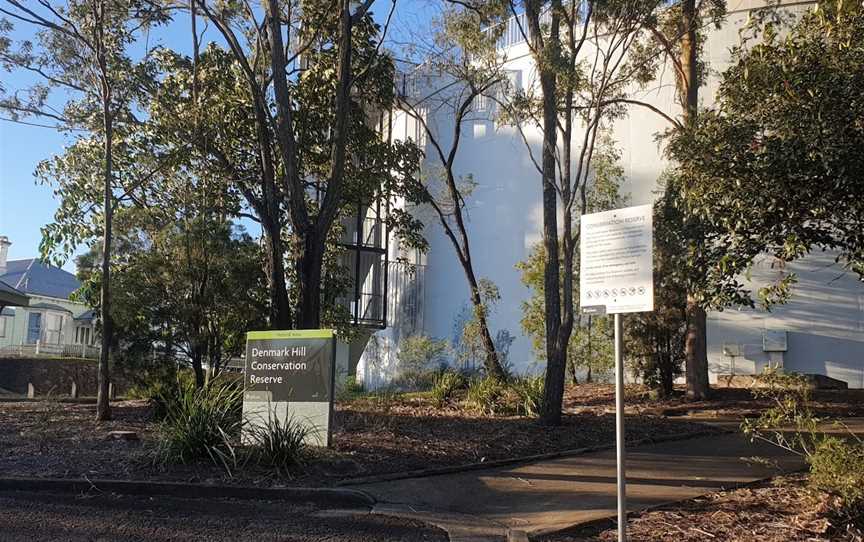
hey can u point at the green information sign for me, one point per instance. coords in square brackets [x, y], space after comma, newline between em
[291, 375]
[291, 365]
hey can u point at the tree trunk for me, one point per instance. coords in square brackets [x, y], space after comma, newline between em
[667, 377]
[103, 409]
[695, 351]
[309, 264]
[280, 308]
[491, 363]
[547, 51]
[198, 367]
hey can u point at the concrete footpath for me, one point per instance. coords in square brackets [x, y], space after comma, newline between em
[548, 496]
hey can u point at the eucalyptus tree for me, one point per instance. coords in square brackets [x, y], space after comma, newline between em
[584, 71]
[312, 72]
[85, 82]
[465, 68]
[676, 38]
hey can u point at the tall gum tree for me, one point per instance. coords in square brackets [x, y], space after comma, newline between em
[282, 51]
[466, 70]
[80, 53]
[581, 55]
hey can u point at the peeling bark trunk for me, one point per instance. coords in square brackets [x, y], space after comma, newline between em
[695, 349]
[103, 409]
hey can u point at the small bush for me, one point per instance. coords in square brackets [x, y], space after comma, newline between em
[278, 444]
[419, 357]
[487, 395]
[201, 424]
[529, 391]
[160, 389]
[414, 380]
[385, 399]
[837, 467]
[350, 389]
[445, 385]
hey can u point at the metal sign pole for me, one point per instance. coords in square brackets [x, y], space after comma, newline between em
[619, 428]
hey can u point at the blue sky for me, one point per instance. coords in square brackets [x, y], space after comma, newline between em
[26, 206]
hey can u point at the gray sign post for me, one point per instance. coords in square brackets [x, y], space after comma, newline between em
[290, 375]
[616, 275]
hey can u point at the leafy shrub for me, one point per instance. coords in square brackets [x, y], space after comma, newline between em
[836, 465]
[529, 391]
[414, 380]
[350, 389]
[487, 395]
[445, 384]
[201, 424]
[278, 444]
[419, 354]
[385, 399]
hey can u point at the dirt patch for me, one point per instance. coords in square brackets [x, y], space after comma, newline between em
[783, 511]
[724, 402]
[50, 439]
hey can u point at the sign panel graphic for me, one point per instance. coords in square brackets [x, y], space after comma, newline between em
[616, 269]
[291, 375]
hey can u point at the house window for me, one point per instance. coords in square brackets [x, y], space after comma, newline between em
[34, 327]
[2, 326]
[53, 328]
[82, 335]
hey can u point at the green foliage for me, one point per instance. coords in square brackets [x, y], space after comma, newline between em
[529, 390]
[469, 349]
[185, 291]
[201, 423]
[775, 167]
[655, 340]
[837, 467]
[488, 396]
[419, 354]
[350, 388]
[789, 394]
[836, 464]
[277, 444]
[445, 385]
[590, 348]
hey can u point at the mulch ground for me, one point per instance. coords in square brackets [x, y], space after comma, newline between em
[370, 436]
[53, 439]
[724, 402]
[783, 511]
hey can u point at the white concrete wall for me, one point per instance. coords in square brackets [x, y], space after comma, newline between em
[823, 321]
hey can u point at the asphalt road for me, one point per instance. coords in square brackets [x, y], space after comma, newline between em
[48, 517]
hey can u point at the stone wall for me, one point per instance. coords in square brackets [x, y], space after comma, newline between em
[51, 376]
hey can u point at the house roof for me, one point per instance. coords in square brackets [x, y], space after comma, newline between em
[11, 296]
[49, 306]
[31, 276]
[88, 315]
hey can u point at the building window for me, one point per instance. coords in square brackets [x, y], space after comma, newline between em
[3, 326]
[34, 327]
[82, 335]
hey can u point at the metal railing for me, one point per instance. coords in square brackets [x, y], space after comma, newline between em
[45, 350]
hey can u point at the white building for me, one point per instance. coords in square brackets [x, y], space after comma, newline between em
[49, 323]
[819, 331]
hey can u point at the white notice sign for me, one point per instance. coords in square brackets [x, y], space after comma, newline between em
[616, 269]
